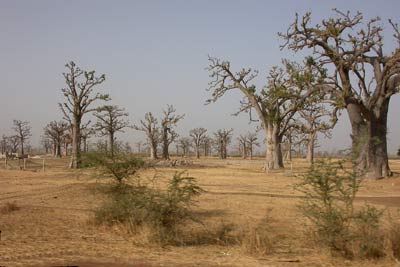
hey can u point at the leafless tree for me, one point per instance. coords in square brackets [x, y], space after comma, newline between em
[110, 120]
[55, 131]
[23, 131]
[80, 96]
[198, 135]
[363, 79]
[46, 142]
[150, 128]
[222, 138]
[4, 146]
[315, 117]
[86, 132]
[139, 147]
[207, 145]
[242, 139]
[168, 135]
[275, 104]
[252, 140]
[13, 143]
[184, 143]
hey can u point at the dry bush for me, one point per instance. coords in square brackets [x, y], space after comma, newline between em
[9, 207]
[144, 205]
[259, 239]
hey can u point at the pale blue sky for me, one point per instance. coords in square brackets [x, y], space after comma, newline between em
[153, 53]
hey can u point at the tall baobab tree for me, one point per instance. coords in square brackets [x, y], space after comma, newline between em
[222, 139]
[168, 135]
[275, 104]
[13, 143]
[80, 96]
[110, 120]
[197, 135]
[150, 127]
[23, 131]
[363, 80]
[56, 131]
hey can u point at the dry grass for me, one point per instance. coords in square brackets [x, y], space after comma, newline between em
[52, 228]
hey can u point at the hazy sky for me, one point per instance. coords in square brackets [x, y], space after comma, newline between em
[154, 53]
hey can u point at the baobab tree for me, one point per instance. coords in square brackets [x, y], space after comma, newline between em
[23, 131]
[150, 127]
[252, 140]
[80, 97]
[363, 80]
[275, 104]
[184, 143]
[13, 143]
[46, 142]
[315, 117]
[222, 138]
[242, 139]
[55, 131]
[4, 144]
[168, 135]
[197, 135]
[110, 120]
[207, 145]
[86, 132]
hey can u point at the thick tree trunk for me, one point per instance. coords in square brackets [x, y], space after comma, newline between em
[369, 141]
[76, 141]
[244, 152]
[274, 152]
[197, 151]
[310, 147]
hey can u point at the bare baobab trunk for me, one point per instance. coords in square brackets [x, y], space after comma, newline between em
[274, 152]
[369, 142]
[197, 151]
[153, 150]
[165, 152]
[310, 147]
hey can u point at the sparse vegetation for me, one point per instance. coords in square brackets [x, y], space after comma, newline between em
[330, 190]
[145, 204]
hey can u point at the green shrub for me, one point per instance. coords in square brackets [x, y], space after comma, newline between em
[330, 190]
[120, 166]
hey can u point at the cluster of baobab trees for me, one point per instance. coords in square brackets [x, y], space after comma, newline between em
[347, 69]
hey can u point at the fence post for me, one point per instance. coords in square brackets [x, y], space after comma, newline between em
[43, 165]
[24, 163]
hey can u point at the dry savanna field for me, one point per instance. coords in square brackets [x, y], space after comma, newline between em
[47, 218]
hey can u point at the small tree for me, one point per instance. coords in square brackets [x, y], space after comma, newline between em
[198, 135]
[110, 120]
[168, 135]
[23, 131]
[80, 96]
[152, 131]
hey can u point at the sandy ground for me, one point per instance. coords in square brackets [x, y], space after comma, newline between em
[52, 226]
